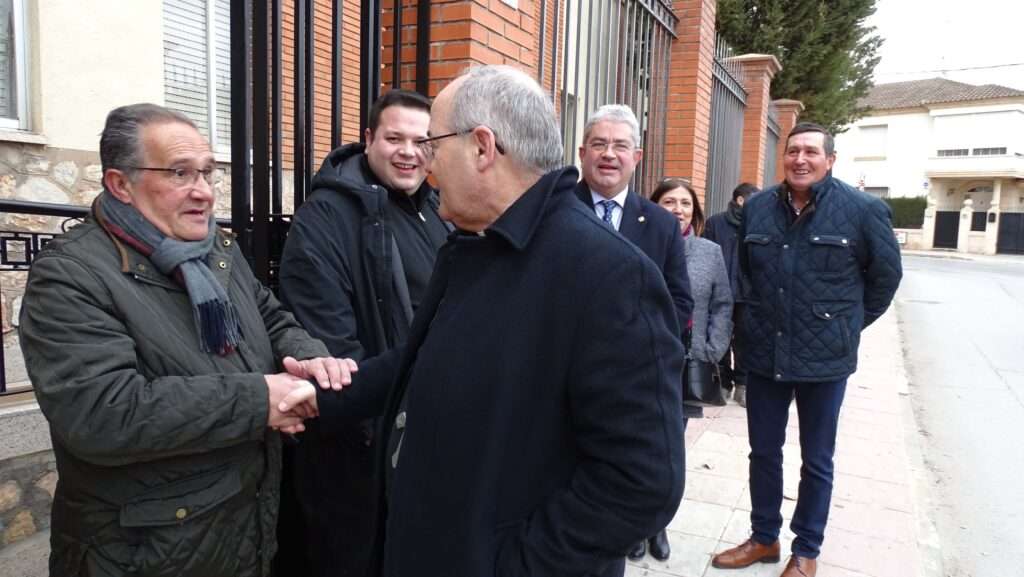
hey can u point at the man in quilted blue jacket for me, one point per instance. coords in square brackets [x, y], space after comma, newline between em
[823, 264]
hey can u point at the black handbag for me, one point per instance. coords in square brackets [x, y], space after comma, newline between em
[702, 384]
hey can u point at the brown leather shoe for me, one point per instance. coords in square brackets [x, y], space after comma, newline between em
[747, 554]
[800, 567]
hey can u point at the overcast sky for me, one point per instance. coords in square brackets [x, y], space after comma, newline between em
[925, 37]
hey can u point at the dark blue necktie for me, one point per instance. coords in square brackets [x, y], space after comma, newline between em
[608, 206]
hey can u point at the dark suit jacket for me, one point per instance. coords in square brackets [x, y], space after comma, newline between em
[656, 232]
[520, 396]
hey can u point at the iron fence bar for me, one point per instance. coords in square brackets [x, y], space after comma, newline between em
[260, 141]
[299, 151]
[337, 11]
[423, 47]
[554, 50]
[540, 41]
[613, 6]
[590, 60]
[309, 166]
[276, 110]
[396, 45]
[241, 122]
[576, 83]
[565, 70]
[370, 59]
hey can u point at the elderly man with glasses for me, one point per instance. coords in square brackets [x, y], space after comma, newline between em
[159, 361]
[534, 422]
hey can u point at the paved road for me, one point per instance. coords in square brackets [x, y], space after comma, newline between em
[963, 325]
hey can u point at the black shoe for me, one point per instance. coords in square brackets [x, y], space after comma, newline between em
[659, 546]
[638, 551]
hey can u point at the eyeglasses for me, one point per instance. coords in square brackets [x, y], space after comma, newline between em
[429, 145]
[617, 146]
[182, 177]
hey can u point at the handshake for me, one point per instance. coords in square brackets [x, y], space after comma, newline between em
[292, 395]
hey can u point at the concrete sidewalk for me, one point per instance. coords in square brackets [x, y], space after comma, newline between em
[875, 527]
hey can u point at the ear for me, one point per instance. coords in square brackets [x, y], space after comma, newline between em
[638, 154]
[368, 136]
[117, 183]
[831, 160]
[583, 152]
[486, 149]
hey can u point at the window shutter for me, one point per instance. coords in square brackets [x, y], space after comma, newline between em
[222, 59]
[8, 102]
[186, 84]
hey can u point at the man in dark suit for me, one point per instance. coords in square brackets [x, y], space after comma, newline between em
[534, 425]
[608, 158]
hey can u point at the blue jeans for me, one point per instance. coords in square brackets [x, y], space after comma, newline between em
[818, 407]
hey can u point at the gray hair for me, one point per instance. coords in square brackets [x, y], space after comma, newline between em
[119, 143]
[614, 113]
[514, 106]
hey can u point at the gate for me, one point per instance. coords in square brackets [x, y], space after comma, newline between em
[728, 101]
[947, 228]
[771, 148]
[614, 52]
[1011, 233]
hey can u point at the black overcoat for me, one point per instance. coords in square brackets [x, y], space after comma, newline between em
[537, 401]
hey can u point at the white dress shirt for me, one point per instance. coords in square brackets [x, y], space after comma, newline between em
[620, 201]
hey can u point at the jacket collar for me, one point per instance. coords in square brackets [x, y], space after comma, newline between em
[634, 213]
[518, 224]
[139, 267]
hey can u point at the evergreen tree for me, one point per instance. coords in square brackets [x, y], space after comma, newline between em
[827, 51]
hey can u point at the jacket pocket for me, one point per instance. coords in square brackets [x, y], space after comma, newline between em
[836, 316]
[830, 254]
[181, 500]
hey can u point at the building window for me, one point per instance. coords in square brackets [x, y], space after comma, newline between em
[988, 151]
[953, 152]
[197, 65]
[13, 67]
[873, 142]
[879, 191]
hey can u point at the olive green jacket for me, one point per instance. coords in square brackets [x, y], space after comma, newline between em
[166, 463]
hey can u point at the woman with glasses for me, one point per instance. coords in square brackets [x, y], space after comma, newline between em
[711, 323]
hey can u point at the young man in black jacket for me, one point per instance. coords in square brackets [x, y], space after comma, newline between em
[357, 260]
[724, 229]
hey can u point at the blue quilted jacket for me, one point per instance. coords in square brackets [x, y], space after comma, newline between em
[816, 283]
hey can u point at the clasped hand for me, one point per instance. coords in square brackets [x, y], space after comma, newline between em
[292, 395]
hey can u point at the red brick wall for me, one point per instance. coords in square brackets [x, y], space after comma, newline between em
[689, 97]
[788, 114]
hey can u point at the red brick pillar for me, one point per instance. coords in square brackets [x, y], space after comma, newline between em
[688, 120]
[788, 112]
[758, 71]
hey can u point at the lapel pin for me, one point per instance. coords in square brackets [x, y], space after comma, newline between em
[641, 219]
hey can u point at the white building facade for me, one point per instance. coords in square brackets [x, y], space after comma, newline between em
[960, 145]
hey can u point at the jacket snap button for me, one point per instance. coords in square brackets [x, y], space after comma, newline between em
[181, 513]
[141, 267]
[785, 246]
[778, 376]
[227, 242]
[222, 264]
[828, 315]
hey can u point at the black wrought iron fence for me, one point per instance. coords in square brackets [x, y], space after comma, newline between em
[728, 102]
[613, 52]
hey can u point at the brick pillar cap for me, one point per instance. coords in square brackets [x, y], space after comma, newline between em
[767, 60]
[788, 103]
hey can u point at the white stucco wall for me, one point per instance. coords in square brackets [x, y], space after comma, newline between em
[92, 57]
[914, 137]
[905, 156]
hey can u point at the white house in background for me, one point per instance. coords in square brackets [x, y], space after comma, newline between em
[959, 144]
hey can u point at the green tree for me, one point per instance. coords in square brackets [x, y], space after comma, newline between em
[827, 51]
